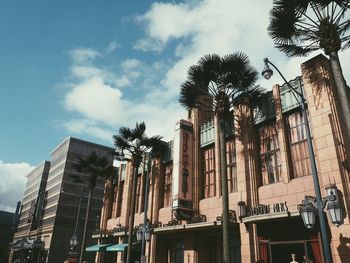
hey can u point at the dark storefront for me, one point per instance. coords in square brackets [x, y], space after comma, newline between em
[278, 240]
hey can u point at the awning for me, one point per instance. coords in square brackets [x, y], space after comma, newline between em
[97, 247]
[119, 247]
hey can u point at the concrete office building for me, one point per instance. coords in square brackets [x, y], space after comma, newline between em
[50, 204]
[268, 166]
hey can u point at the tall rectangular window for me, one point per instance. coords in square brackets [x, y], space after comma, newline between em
[270, 154]
[231, 166]
[138, 193]
[298, 145]
[119, 198]
[209, 172]
[168, 185]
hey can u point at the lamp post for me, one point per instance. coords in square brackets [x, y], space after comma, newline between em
[267, 73]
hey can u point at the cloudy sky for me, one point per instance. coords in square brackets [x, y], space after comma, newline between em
[85, 68]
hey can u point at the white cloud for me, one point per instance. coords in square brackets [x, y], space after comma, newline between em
[12, 184]
[88, 127]
[96, 100]
[83, 55]
[112, 46]
[146, 90]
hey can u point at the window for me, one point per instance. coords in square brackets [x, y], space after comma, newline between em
[120, 199]
[168, 185]
[269, 154]
[138, 193]
[209, 172]
[231, 166]
[298, 145]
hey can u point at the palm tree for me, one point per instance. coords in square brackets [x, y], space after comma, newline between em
[299, 27]
[220, 83]
[94, 166]
[132, 145]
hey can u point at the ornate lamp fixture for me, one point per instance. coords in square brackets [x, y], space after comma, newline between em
[242, 210]
[308, 208]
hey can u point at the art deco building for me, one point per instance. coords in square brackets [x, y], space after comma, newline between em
[50, 204]
[268, 165]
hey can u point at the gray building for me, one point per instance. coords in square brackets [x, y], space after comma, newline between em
[50, 204]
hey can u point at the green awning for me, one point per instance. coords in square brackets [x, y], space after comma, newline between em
[97, 247]
[119, 247]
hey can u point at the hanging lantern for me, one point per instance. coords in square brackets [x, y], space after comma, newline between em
[242, 209]
[148, 234]
[335, 211]
[139, 234]
[74, 242]
[308, 214]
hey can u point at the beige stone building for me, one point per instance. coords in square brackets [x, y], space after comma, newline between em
[268, 166]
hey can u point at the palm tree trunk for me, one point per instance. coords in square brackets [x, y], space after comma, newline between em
[224, 193]
[132, 215]
[83, 241]
[344, 96]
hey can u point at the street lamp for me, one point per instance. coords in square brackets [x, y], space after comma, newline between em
[318, 203]
[242, 209]
[308, 208]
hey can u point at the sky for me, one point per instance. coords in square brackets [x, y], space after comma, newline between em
[86, 68]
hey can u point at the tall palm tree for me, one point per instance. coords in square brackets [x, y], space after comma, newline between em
[220, 83]
[299, 27]
[132, 145]
[94, 166]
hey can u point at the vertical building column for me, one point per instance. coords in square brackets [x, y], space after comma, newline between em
[154, 197]
[329, 143]
[247, 173]
[217, 159]
[196, 160]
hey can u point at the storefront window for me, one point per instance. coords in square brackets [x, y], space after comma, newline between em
[168, 185]
[231, 166]
[269, 154]
[209, 172]
[298, 145]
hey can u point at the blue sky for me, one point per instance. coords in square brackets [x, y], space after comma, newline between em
[85, 68]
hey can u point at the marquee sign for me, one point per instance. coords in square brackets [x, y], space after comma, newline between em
[182, 171]
[267, 209]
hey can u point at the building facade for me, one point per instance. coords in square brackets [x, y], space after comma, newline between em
[268, 166]
[54, 205]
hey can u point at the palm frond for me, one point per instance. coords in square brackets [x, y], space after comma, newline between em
[151, 142]
[190, 94]
[139, 131]
[94, 166]
[250, 96]
[120, 142]
[282, 27]
[125, 133]
[346, 45]
[325, 3]
[292, 50]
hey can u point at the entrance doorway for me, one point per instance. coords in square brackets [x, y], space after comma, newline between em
[281, 251]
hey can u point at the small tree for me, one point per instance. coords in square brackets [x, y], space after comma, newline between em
[132, 145]
[94, 166]
[221, 83]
